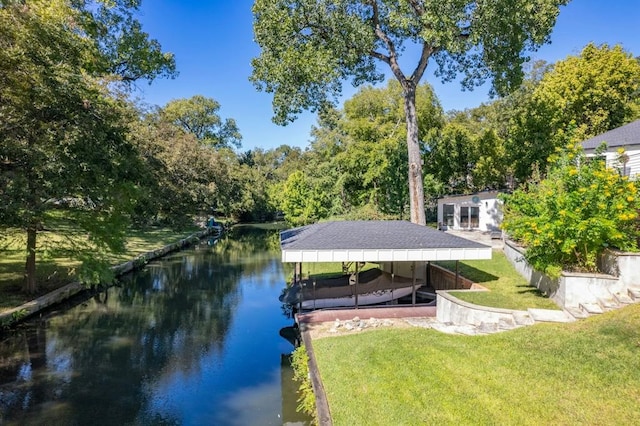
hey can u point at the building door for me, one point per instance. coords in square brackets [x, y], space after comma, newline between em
[474, 219]
[448, 211]
[464, 217]
[469, 217]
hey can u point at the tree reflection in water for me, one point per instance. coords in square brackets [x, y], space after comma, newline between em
[168, 345]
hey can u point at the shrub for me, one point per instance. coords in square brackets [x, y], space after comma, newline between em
[568, 219]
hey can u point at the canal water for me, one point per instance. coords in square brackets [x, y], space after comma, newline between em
[192, 339]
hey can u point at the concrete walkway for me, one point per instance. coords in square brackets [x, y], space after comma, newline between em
[480, 237]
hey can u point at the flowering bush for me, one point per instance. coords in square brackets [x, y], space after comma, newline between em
[567, 219]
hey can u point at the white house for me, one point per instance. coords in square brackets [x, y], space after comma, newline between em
[480, 211]
[626, 137]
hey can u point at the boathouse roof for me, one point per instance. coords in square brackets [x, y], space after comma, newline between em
[375, 241]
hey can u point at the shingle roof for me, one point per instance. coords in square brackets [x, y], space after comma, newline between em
[628, 134]
[375, 241]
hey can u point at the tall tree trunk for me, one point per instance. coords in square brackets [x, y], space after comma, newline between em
[30, 284]
[416, 188]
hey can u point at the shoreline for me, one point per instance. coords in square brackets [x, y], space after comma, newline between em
[13, 316]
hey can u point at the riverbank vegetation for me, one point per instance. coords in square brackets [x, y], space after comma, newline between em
[587, 372]
[300, 365]
[56, 268]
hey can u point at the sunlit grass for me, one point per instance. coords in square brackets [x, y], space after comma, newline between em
[586, 372]
[508, 289]
[322, 270]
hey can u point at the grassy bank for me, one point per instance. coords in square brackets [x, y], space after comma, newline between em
[508, 289]
[55, 271]
[586, 372]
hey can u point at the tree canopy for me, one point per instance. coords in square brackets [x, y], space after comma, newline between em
[198, 116]
[576, 98]
[63, 133]
[309, 47]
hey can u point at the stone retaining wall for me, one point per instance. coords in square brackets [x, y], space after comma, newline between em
[573, 289]
[12, 316]
[515, 254]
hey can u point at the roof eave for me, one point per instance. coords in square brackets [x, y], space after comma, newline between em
[386, 255]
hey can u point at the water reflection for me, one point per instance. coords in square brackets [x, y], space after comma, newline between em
[192, 339]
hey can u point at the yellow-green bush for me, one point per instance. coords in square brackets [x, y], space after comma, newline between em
[567, 219]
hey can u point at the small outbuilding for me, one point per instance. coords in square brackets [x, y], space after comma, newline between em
[480, 211]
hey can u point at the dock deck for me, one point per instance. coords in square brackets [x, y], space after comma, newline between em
[380, 312]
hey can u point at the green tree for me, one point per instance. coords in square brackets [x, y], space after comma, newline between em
[184, 177]
[122, 50]
[569, 218]
[578, 98]
[375, 156]
[468, 155]
[264, 173]
[63, 134]
[309, 47]
[490, 168]
[303, 203]
[323, 160]
[198, 115]
[597, 90]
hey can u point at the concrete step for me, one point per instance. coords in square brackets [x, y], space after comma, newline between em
[507, 324]
[549, 315]
[523, 318]
[577, 313]
[622, 298]
[608, 303]
[592, 308]
[634, 293]
[488, 327]
[449, 328]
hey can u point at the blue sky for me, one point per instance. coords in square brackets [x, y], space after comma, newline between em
[213, 44]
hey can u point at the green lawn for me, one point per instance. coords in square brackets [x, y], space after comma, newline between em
[508, 289]
[322, 270]
[54, 272]
[587, 372]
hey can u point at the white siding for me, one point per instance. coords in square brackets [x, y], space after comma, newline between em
[633, 163]
[490, 213]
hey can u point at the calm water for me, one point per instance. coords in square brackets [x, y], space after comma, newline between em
[192, 339]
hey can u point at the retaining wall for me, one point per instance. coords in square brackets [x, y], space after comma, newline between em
[624, 265]
[443, 279]
[455, 311]
[572, 289]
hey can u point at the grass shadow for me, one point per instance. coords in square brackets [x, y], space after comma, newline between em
[474, 274]
[527, 289]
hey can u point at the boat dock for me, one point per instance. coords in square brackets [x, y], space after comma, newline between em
[379, 312]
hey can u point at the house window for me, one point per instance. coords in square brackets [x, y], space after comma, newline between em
[469, 217]
[447, 214]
